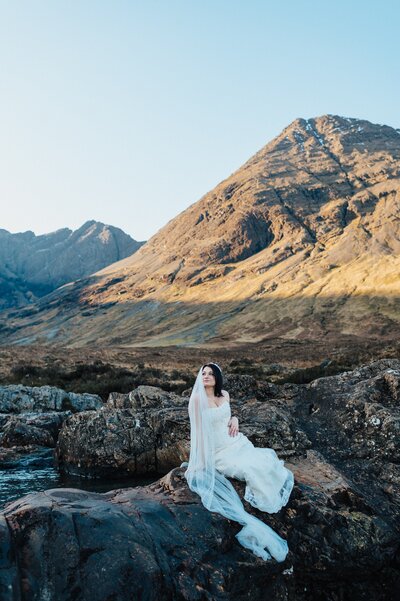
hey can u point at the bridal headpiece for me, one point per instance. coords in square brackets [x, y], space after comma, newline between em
[216, 365]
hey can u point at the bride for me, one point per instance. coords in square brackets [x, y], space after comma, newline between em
[217, 450]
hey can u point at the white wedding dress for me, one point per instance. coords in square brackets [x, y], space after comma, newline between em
[215, 456]
[268, 482]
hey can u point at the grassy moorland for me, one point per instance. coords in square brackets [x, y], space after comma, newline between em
[118, 369]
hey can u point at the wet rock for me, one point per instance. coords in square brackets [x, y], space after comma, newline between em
[17, 432]
[31, 418]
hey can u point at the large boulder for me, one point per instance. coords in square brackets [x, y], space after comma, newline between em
[141, 432]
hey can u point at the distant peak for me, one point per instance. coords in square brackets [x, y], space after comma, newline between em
[329, 125]
[89, 223]
[300, 122]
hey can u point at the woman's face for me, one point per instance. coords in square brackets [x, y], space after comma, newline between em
[208, 376]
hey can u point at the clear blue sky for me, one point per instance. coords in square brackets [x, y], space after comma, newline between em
[127, 112]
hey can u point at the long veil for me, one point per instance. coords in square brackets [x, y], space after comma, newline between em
[215, 490]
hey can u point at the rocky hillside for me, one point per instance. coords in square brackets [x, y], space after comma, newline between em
[32, 266]
[301, 242]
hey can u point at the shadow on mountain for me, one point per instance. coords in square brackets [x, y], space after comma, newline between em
[80, 315]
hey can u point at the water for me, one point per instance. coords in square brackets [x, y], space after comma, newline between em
[36, 473]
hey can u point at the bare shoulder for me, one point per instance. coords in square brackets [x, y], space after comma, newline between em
[225, 394]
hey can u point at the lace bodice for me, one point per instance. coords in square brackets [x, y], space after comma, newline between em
[219, 416]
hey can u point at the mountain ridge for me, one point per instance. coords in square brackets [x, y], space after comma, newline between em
[312, 215]
[33, 265]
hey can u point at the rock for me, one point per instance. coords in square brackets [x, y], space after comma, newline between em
[342, 548]
[31, 418]
[127, 544]
[27, 427]
[354, 420]
[18, 432]
[158, 542]
[17, 398]
[132, 434]
[146, 397]
[268, 425]
[240, 386]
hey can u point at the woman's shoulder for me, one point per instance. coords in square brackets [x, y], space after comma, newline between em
[225, 393]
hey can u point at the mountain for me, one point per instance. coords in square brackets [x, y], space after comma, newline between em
[32, 266]
[302, 241]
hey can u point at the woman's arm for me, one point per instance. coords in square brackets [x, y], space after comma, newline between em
[233, 423]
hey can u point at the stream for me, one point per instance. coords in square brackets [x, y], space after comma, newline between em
[36, 472]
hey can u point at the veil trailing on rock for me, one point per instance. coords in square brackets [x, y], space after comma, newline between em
[215, 490]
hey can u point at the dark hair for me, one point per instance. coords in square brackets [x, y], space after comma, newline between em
[218, 378]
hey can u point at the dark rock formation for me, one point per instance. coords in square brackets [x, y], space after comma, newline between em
[338, 434]
[339, 437]
[159, 543]
[350, 417]
[354, 419]
[33, 429]
[144, 431]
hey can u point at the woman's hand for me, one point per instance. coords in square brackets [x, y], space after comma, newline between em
[233, 425]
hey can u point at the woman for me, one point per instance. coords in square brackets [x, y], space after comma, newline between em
[218, 449]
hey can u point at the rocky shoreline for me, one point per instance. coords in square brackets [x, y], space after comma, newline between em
[340, 437]
[31, 419]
